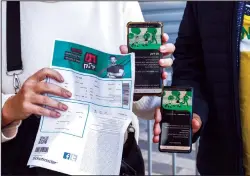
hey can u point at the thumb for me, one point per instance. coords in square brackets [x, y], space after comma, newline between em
[196, 123]
[124, 49]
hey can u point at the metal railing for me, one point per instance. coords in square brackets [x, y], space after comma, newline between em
[149, 131]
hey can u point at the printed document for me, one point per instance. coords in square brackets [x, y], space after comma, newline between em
[88, 138]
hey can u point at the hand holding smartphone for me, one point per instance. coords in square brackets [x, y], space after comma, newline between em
[145, 39]
[176, 123]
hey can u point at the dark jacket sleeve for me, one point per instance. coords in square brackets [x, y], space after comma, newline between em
[188, 67]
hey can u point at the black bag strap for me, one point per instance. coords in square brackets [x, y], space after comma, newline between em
[13, 44]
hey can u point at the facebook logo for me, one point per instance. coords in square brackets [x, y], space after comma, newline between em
[69, 156]
[66, 155]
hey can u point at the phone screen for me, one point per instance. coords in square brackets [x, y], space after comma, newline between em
[144, 39]
[176, 109]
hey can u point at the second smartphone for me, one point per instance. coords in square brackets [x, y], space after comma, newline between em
[176, 123]
[144, 39]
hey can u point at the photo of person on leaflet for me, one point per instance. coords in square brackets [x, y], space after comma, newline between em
[115, 70]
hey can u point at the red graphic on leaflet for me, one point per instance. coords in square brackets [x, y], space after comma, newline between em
[90, 61]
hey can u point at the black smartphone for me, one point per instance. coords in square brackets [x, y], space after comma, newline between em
[144, 39]
[176, 123]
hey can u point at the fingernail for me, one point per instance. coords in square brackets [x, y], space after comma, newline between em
[61, 79]
[58, 114]
[162, 61]
[69, 94]
[162, 48]
[164, 75]
[197, 123]
[64, 107]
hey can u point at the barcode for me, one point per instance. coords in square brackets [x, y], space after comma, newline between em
[43, 140]
[125, 93]
[42, 149]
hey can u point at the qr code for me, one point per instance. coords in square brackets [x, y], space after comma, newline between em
[42, 149]
[43, 140]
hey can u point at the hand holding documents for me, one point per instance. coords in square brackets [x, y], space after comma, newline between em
[87, 138]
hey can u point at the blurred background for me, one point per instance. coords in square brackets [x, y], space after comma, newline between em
[157, 163]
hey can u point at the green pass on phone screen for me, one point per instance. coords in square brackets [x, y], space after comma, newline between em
[145, 39]
[176, 120]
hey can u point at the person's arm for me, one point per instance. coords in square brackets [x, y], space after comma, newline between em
[144, 108]
[132, 12]
[111, 75]
[188, 66]
[9, 129]
[120, 74]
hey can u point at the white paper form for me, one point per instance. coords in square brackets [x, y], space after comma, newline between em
[88, 138]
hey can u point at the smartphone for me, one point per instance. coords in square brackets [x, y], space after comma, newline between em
[144, 39]
[176, 123]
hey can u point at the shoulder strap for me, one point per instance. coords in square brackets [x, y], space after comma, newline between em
[13, 44]
[14, 61]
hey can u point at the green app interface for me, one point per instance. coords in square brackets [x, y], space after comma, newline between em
[176, 118]
[145, 43]
[145, 38]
